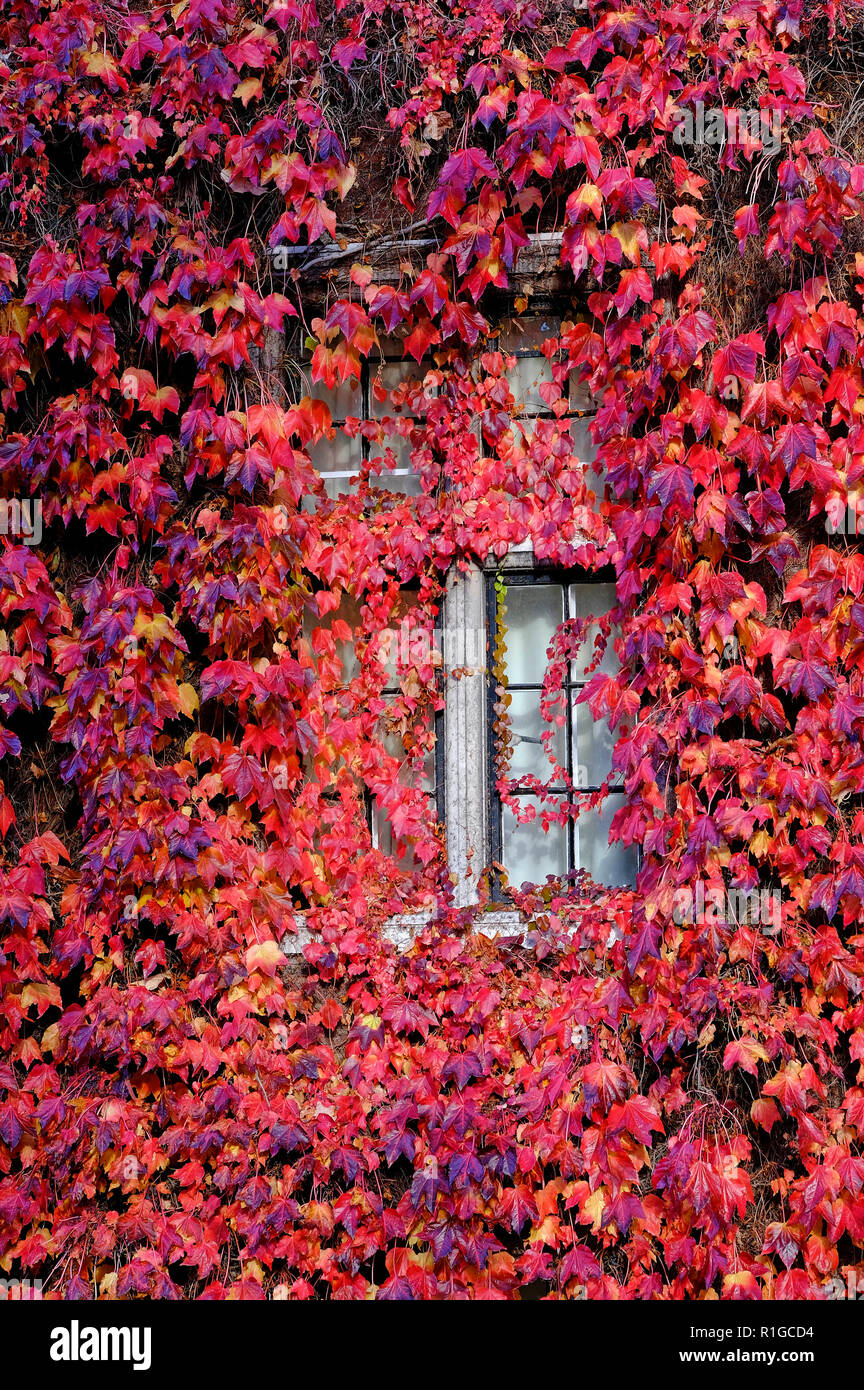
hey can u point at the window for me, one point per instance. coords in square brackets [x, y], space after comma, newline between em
[526, 609]
[398, 736]
[480, 829]
[523, 339]
[398, 740]
[340, 459]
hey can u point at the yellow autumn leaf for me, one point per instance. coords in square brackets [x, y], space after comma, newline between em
[188, 698]
[627, 234]
[266, 956]
[249, 89]
[42, 995]
[593, 1207]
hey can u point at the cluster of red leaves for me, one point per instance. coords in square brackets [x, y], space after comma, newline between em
[624, 1103]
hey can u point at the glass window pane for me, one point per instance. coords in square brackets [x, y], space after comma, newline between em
[580, 396]
[400, 447]
[428, 780]
[586, 599]
[338, 486]
[394, 745]
[524, 338]
[349, 612]
[401, 477]
[586, 452]
[525, 380]
[391, 375]
[614, 864]
[534, 611]
[344, 399]
[407, 483]
[528, 754]
[593, 742]
[528, 853]
[583, 446]
[382, 830]
[337, 455]
[596, 483]
[528, 333]
[403, 639]
[384, 839]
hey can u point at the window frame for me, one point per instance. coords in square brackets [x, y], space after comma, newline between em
[533, 575]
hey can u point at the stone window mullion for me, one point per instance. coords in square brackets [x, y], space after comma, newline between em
[465, 753]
